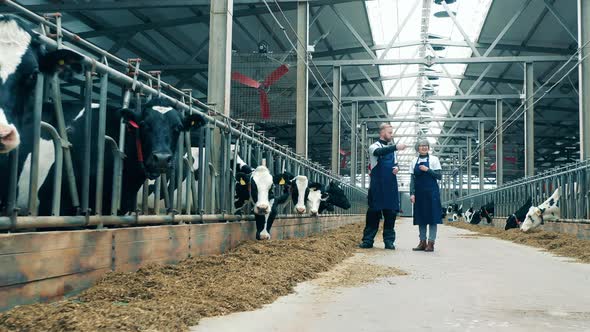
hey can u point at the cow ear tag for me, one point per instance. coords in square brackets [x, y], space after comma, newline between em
[61, 62]
[192, 123]
[242, 182]
[282, 182]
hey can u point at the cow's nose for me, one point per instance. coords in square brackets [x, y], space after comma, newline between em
[162, 160]
[263, 207]
[9, 138]
[314, 212]
[301, 209]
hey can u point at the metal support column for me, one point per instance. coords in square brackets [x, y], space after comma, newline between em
[353, 141]
[584, 77]
[460, 173]
[529, 118]
[302, 77]
[218, 91]
[363, 155]
[481, 129]
[336, 87]
[499, 144]
[469, 166]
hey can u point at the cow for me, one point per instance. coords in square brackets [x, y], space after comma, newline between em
[257, 187]
[151, 135]
[517, 217]
[487, 211]
[537, 215]
[22, 59]
[468, 215]
[335, 197]
[457, 211]
[306, 196]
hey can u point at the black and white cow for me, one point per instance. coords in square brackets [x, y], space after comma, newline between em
[537, 215]
[518, 217]
[487, 211]
[150, 143]
[22, 59]
[306, 196]
[336, 197]
[257, 187]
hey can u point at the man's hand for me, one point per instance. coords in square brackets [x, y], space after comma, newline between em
[413, 199]
[423, 168]
[395, 170]
[400, 146]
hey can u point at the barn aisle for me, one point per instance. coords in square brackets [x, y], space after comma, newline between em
[471, 283]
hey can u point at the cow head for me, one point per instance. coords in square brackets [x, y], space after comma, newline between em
[299, 193]
[336, 196]
[315, 197]
[487, 211]
[261, 185]
[157, 127]
[517, 218]
[22, 58]
[538, 214]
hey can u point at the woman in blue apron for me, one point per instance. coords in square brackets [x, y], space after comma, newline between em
[383, 193]
[425, 194]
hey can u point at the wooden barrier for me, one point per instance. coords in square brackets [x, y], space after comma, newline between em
[47, 266]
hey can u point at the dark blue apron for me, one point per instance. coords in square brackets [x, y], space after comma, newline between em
[427, 208]
[383, 194]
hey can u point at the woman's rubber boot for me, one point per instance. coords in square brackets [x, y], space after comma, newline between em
[421, 246]
[429, 246]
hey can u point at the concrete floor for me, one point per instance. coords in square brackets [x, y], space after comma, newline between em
[467, 284]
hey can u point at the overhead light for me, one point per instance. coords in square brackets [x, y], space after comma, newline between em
[439, 2]
[438, 47]
[557, 152]
[558, 143]
[444, 14]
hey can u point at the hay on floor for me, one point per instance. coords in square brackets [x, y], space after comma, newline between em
[173, 297]
[560, 244]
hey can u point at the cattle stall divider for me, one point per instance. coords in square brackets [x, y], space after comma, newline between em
[209, 196]
[572, 180]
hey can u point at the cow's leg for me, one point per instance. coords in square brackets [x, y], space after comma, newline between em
[260, 225]
[264, 234]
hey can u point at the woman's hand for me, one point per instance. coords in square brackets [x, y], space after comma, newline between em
[423, 168]
[395, 170]
[413, 199]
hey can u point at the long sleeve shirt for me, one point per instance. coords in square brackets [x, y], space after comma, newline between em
[379, 149]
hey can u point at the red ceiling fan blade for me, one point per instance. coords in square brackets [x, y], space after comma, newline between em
[264, 106]
[243, 79]
[275, 75]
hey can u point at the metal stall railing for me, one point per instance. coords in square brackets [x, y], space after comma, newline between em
[572, 180]
[189, 204]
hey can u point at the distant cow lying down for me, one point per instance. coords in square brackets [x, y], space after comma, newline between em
[538, 214]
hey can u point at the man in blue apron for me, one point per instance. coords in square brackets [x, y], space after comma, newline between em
[425, 194]
[383, 193]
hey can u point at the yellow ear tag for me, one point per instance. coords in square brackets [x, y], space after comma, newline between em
[242, 182]
[282, 182]
[192, 123]
[61, 62]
